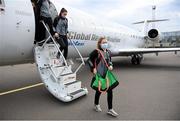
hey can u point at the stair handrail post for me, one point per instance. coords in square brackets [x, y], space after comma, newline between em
[82, 60]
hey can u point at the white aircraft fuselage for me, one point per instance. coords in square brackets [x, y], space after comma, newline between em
[17, 32]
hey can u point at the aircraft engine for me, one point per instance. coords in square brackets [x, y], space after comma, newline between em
[154, 35]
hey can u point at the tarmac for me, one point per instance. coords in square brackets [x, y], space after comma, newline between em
[150, 91]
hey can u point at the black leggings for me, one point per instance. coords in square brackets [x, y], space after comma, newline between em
[109, 98]
[65, 48]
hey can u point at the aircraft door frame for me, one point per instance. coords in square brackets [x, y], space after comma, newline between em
[2, 6]
[2, 12]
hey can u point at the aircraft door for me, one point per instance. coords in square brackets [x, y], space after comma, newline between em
[2, 12]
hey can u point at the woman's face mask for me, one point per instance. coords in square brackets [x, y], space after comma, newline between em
[64, 15]
[104, 46]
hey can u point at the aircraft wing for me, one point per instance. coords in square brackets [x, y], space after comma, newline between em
[151, 21]
[127, 52]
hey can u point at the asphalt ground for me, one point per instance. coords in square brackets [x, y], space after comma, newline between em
[150, 91]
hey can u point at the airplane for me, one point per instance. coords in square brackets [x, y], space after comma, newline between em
[17, 33]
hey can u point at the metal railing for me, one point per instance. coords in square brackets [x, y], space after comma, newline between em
[57, 47]
[50, 37]
[82, 60]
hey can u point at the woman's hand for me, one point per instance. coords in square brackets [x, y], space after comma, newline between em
[68, 35]
[56, 35]
[110, 68]
[94, 71]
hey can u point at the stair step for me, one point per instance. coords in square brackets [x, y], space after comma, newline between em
[67, 79]
[76, 92]
[62, 71]
[67, 84]
[72, 86]
[60, 66]
[59, 79]
[66, 74]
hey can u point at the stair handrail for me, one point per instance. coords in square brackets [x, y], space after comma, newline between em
[50, 36]
[82, 60]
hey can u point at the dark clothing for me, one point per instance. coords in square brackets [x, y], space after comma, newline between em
[109, 98]
[96, 61]
[61, 25]
[101, 67]
[40, 7]
[45, 11]
[49, 22]
[40, 30]
[65, 48]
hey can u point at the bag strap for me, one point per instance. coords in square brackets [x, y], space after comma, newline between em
[107, 80]
[102, 57]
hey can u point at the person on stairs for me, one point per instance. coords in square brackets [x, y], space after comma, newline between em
[45, 15]
[61, 27]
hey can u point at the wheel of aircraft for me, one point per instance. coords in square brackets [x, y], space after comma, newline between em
[136, 59]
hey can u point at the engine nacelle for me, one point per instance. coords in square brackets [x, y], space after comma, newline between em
[153, 35]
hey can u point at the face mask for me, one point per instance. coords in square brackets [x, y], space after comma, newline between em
[104, 46]
[63, 17]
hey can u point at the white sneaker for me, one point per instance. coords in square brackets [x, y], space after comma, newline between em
[97, 108]
[70, 62]
[112, 113]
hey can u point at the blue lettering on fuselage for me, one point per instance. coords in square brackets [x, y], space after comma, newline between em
[77, 43]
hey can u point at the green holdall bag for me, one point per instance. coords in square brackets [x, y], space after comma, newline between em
[104, 84]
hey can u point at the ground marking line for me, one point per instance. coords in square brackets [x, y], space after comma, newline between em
[21, 89]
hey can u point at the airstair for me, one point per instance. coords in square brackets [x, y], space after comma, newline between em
[56, 73]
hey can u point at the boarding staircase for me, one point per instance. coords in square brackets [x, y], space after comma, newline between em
[56, 73]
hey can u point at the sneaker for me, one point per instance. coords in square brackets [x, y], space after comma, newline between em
[98, 108]
[112, 113]
[70, 62]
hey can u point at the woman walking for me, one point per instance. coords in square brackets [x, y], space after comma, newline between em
[103, 81]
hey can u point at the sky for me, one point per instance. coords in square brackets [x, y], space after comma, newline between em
[126, 12]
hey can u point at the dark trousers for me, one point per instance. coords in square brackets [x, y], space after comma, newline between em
[109, 98]
[65, 47]
[49, 22]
